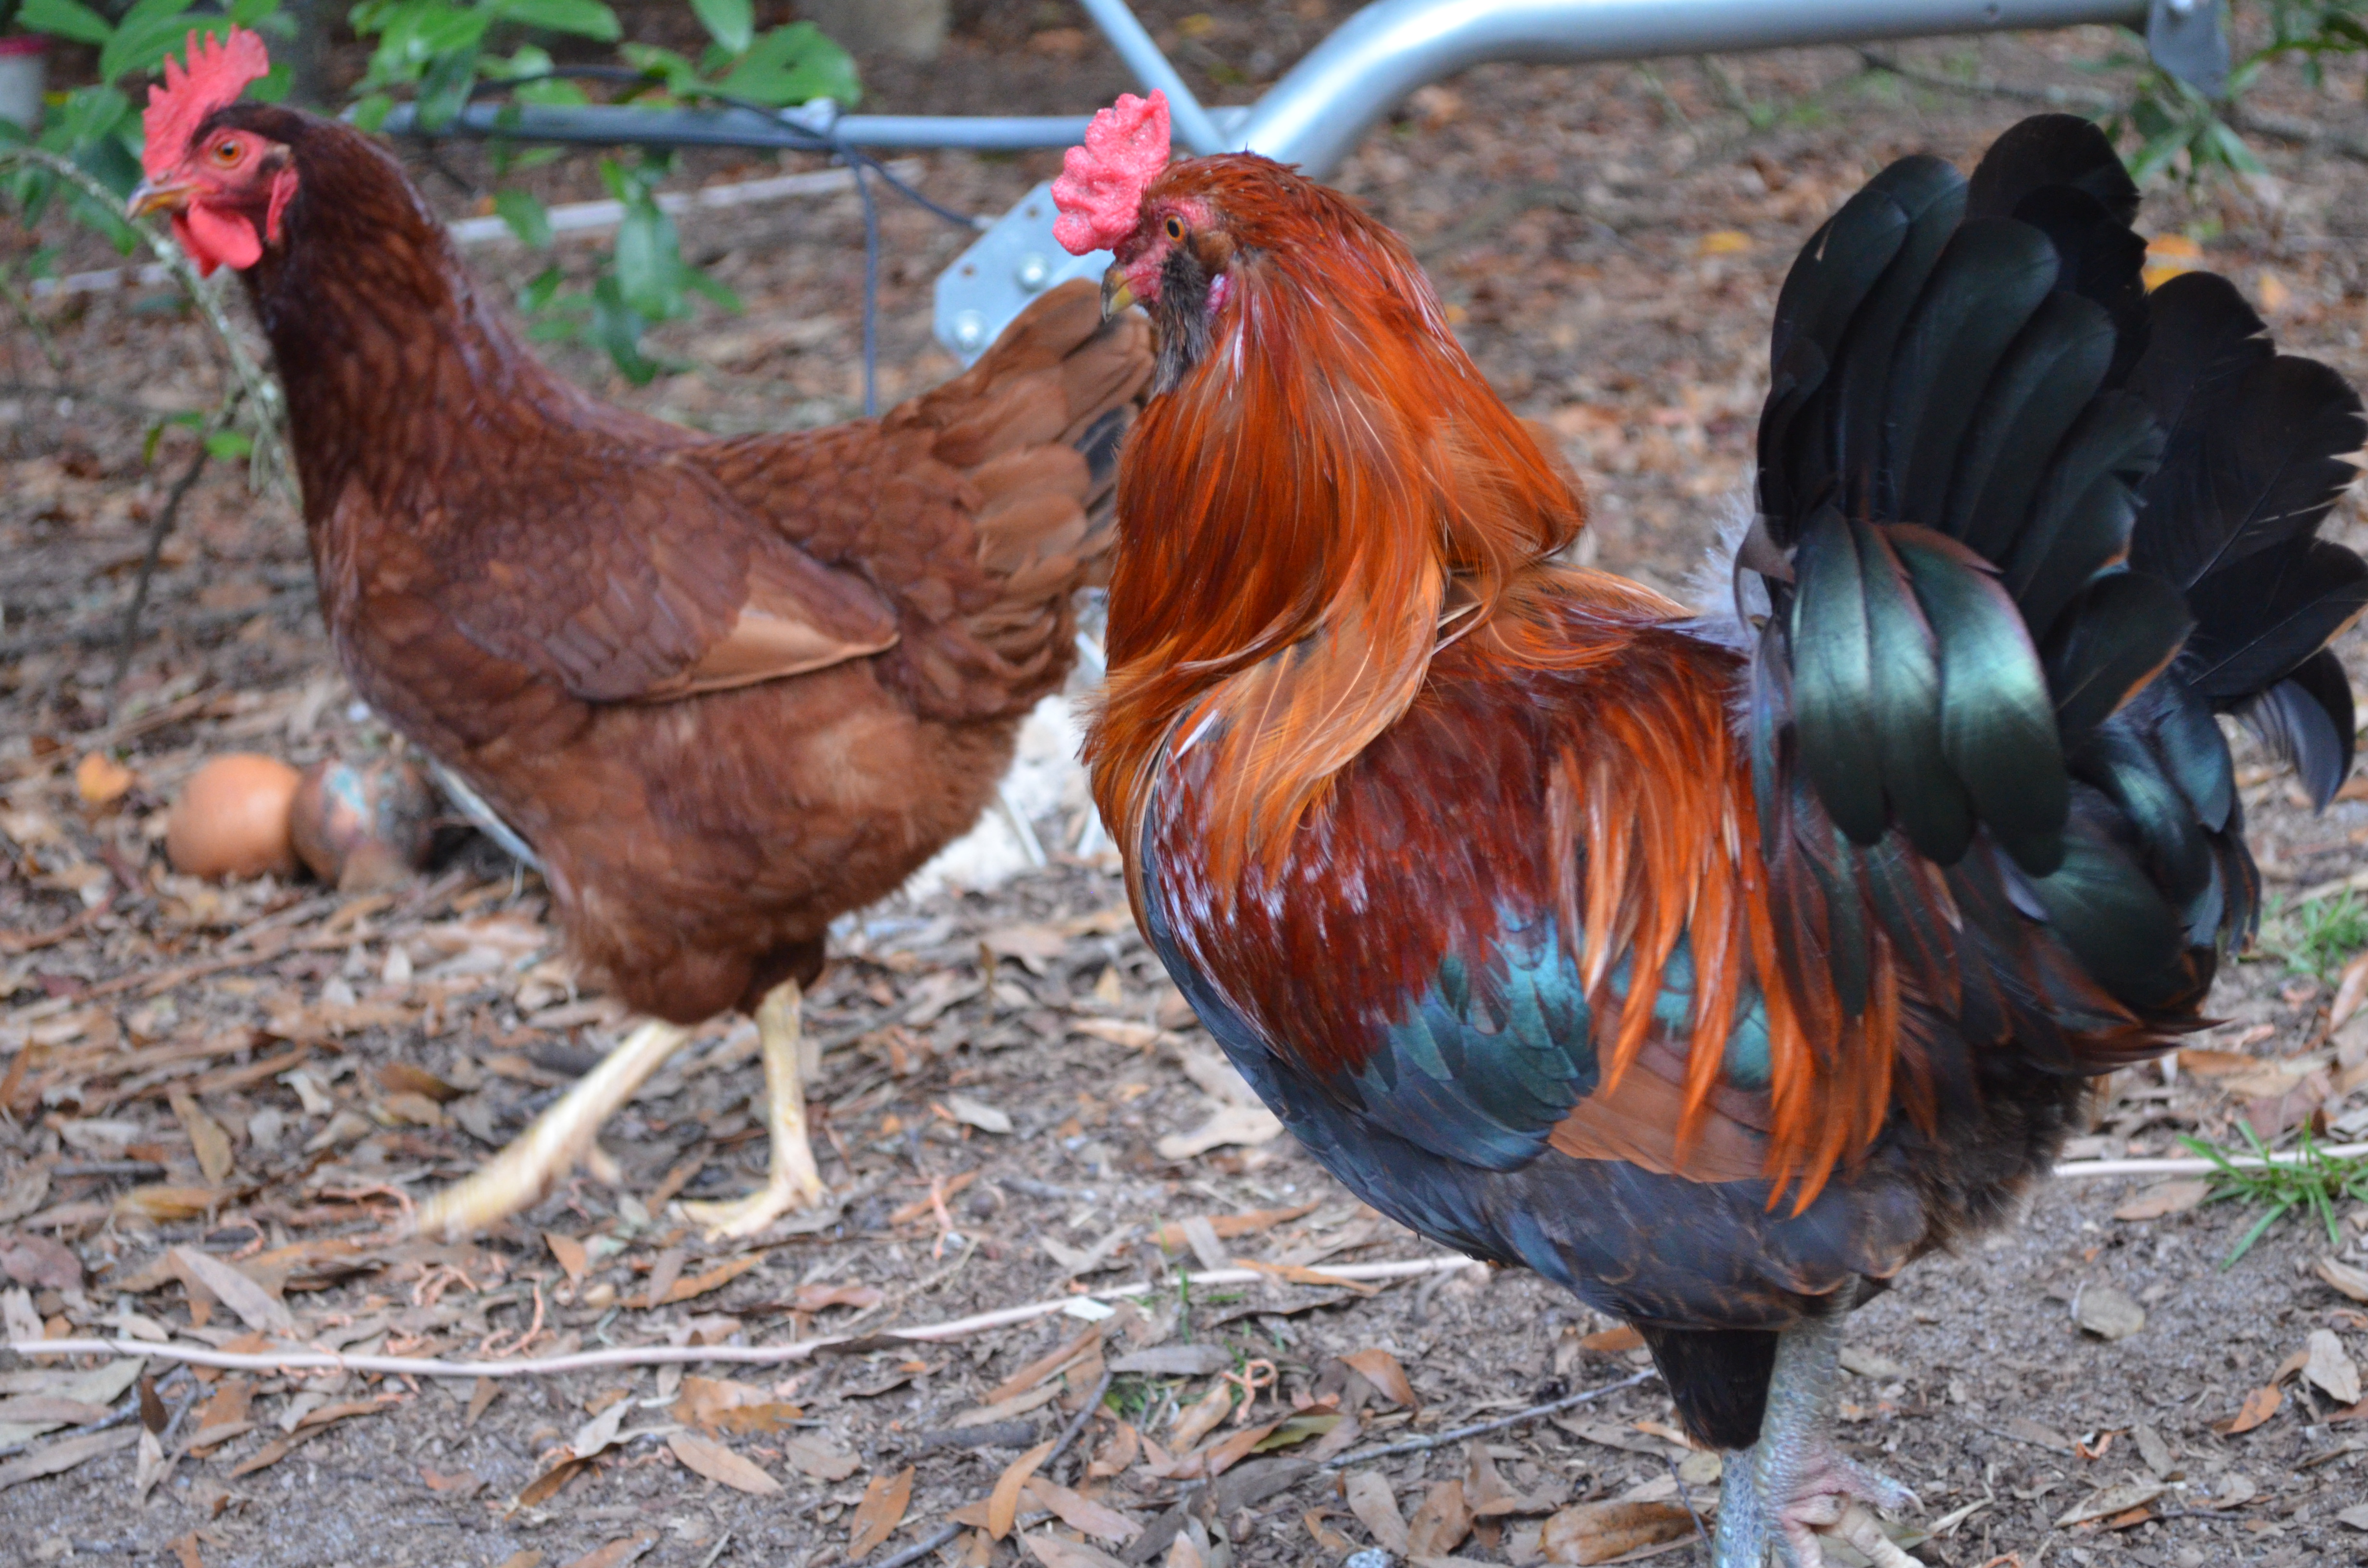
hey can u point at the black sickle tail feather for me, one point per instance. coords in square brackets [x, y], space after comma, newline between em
[2042, 526]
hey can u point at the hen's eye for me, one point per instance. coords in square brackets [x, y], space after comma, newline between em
[1175, 227]
[227, 151]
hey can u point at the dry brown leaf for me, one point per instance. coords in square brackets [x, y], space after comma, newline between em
[1054, 1552]
[63, 1455]
[816, 1298]
[527, 1558]
[206, 1139]
[1183, 1553]
[1371, 1500]
[2330, 1368]
[2351, 1281]
[664, 1271]
[1226, 1226]
[1081, 1513]
[2349, 993]
[40, 1262]
[2165, 1198]
[1003, 1503]
[165, 1204]
[819, 1460]
[185, 1547]
[1245, 1125]
[1117, 1452]
[617, 1553]
[480, 1397]
[749, 1420]
[882, 1510]
[1439, 1526]
[2114, 1500]
[1381, 1370]
[255, 1306]
[570, 1254]
[2258, 1406]
[1298, 1274]
[228, 1404]
[1202, 1417]
[2206, 1063]
[701, 1284]
[149, 1466]
[1613, 1341]
[1045, 1366]
[101, 780]
[546, 1486]
[459, 1482]
[1598, 1532]
[718, 1463]
[1219, 1458]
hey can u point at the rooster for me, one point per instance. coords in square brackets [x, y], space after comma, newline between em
[1716, 967]
[727, 689]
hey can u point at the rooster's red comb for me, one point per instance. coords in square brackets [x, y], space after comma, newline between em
[1101, 185]
[218, 70]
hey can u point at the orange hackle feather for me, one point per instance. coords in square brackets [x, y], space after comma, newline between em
[1327, 500]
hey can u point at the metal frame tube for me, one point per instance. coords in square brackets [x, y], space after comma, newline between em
[1327, 102]
[622, 125]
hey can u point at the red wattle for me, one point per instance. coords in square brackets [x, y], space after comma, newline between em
[219, 239]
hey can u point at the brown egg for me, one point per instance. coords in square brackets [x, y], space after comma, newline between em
[363, 825]
[232, 819]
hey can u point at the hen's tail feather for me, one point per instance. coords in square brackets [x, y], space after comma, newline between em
[2042, 526]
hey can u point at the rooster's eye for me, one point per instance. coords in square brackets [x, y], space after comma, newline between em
[227, 151]
[1174, 226]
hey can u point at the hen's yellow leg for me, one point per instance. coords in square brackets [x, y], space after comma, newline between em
[794, 1182]
[547, 1151]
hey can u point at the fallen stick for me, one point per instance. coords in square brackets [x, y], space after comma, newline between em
[662, 1355]
[1480, 1429]
[2074, 1169]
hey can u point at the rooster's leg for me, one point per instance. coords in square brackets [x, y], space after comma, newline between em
[547, 1151]
[794, 1182]
[1780, 1492]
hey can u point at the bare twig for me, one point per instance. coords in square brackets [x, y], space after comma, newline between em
[922, 1547]
[293, 1359]
[262, 391]
[1687, 1499]
[1441, 1439]
[163, 528]
[1076, 1423]
[2074, 1169]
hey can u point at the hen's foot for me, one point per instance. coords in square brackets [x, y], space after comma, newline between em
[1793, 1484]
[543, 1154]
[794, 1181]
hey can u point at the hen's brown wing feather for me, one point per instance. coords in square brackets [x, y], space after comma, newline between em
[972, 508]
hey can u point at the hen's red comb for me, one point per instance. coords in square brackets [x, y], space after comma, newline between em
[218, 70]
[1101, 185]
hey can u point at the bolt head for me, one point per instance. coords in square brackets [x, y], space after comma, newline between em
[1032, 273]
[970, 329]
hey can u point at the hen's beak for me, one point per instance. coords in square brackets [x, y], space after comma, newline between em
[1116, 295]
[160, 196]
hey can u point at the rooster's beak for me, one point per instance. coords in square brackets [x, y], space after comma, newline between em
[159, 196]
[1116, 295]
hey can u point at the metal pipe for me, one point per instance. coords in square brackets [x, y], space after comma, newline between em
[1317, 112]
[614, 125]
[1151, 67]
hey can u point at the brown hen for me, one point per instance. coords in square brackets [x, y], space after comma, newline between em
[727, 690]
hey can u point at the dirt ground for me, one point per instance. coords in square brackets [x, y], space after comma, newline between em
[266, 1074]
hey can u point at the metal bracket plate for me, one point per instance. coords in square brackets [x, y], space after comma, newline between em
[1005, 267]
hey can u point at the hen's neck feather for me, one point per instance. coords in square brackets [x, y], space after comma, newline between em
[396, 368]
[1299, 513]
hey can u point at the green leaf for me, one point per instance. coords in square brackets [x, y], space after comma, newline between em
[272, 86]
[676, 71]
[649, 262]
[444, 90]
[794, 64]
[537, 296]
[66, 19]
[248, 12]
[370, 110]
[524, 212]
[150, 31]
[229, 444]
[554, 94]
[586, 18]
[731, 23]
